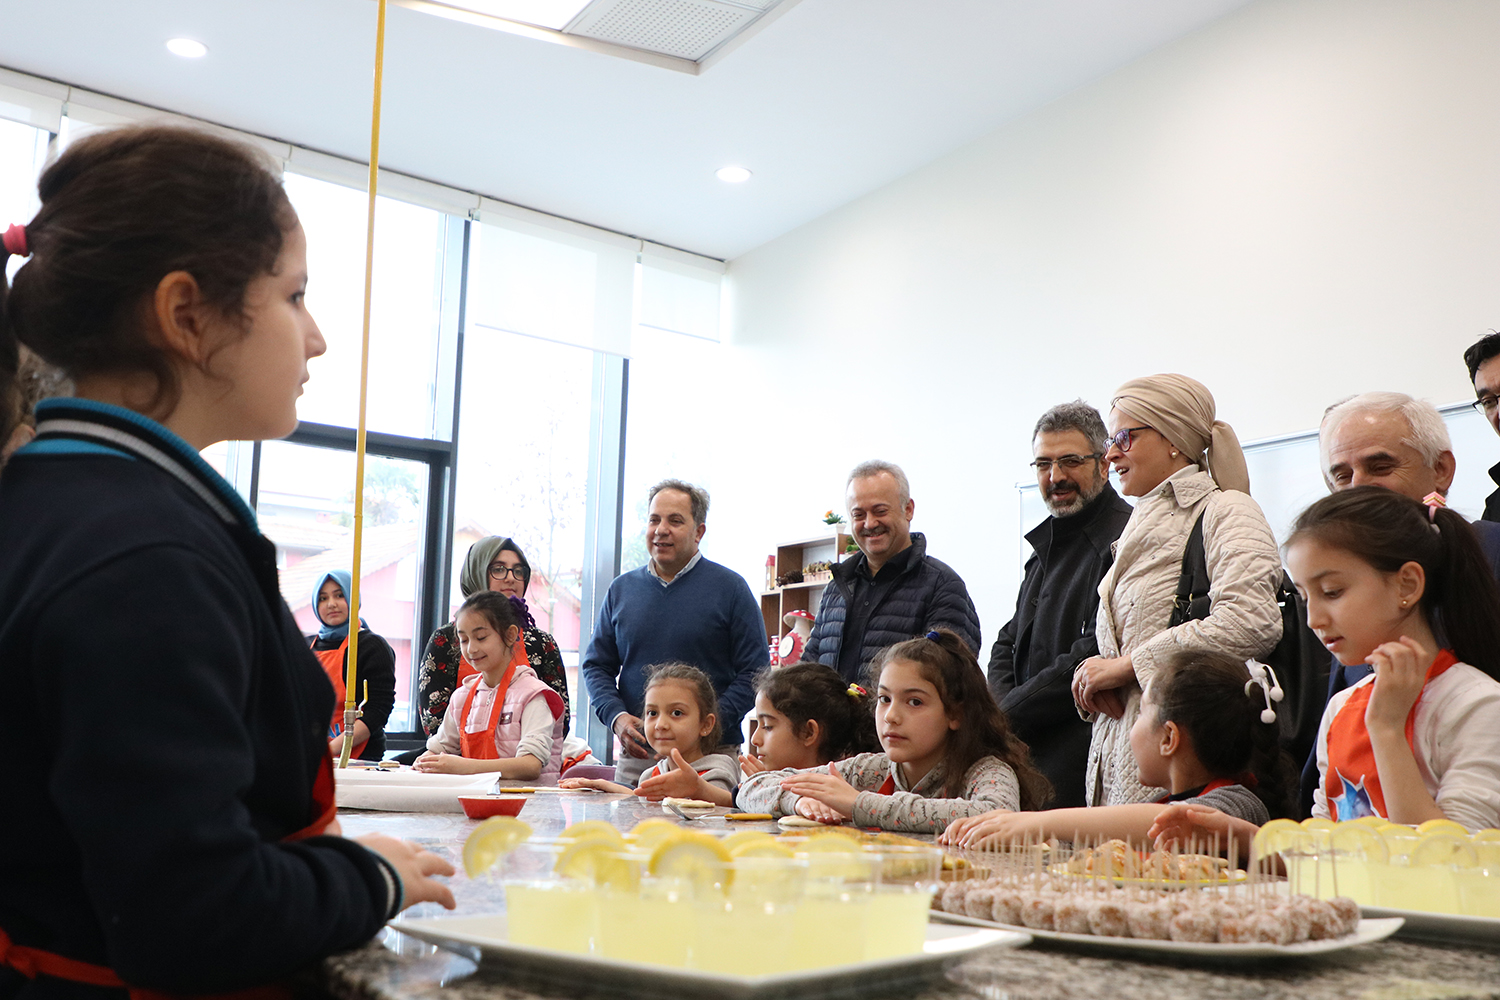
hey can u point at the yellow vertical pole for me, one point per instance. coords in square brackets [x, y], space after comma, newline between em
[350, 713]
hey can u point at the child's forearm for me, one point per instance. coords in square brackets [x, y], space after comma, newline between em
[710, 792]
[1407, 800]
[1126, 822]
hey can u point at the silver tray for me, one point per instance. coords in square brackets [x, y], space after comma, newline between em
[484, 940]
[1444, 927]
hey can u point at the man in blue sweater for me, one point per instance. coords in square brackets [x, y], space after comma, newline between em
[678, 607]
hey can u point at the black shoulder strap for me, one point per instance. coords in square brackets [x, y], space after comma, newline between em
[1193, 583]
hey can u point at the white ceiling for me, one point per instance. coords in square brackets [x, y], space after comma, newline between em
[834, 99]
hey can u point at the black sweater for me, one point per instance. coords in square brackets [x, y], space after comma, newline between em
[164, 725]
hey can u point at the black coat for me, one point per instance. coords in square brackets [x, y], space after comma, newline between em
[1492, 502]
[927, 594]
[165, 724]
[1032, 661]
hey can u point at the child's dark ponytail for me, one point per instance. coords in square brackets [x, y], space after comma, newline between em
[948, 664]
[1389, 530]
[1205, 695]
[844, 712]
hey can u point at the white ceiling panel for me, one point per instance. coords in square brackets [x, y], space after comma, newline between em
[831, 100]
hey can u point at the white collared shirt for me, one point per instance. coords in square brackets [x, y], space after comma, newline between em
[651, 568]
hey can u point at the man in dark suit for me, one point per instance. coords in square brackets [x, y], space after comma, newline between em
[1032, 661]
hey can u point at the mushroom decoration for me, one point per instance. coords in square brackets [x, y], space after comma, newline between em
[792, 643]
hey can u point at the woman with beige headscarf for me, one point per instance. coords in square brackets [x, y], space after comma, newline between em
[1168, 448]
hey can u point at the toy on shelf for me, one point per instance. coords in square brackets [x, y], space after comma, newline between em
[792, 644]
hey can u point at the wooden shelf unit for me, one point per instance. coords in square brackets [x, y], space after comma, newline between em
[774, 604]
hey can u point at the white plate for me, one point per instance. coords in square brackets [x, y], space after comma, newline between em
[484, 937]
[1441, 926]
[1369, 930]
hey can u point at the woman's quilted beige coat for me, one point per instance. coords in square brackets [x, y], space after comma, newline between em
[1135, 605]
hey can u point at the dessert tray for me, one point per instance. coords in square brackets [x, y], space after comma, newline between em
[1369, 930]
[484, 939]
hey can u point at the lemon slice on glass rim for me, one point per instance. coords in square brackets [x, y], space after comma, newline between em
[491, 840]
[697, 858]
[591, 828]
[754, 844]
[598, 859]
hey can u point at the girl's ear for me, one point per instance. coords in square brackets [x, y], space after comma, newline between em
[811, 734]
[1411, 583]
[709, 721]
[512, 635]
[1171, 739]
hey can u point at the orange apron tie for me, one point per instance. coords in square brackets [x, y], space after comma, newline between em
[1351, 786]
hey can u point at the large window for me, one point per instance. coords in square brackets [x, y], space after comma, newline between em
[305, 504]
[523, 470]
[404, 315]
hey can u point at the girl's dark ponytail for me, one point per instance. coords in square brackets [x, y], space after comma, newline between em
[1464, 600]
[1205, 695]
[1389, 530]
[806, 692]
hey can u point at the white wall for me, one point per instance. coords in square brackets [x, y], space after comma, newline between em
[1299, 202]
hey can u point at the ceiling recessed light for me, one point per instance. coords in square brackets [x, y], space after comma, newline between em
[187, 48]
[732, 175]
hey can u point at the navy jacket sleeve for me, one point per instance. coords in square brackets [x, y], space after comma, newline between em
[749, 645]
[154, 781]
[818, 639]
[601, 665]
[952, 608]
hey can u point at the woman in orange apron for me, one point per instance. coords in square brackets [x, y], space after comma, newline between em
[375, 674]
[170, 827]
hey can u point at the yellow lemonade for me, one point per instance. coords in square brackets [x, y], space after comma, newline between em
[552, 915]
[896, 921]
[829, 927]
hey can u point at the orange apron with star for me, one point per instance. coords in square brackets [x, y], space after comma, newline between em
[1351, 785]
[333, 666]
[33, 962]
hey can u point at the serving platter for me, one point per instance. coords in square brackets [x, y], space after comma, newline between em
[484, 939]
[1444, 927]
[1369, 930]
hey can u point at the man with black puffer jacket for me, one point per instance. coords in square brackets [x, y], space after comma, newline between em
[892, 590]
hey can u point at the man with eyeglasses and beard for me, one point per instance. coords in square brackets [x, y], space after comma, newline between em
[1483, 361]
[1032, 662]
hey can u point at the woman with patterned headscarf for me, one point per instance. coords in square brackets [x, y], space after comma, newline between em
[493, 563]
[1168, 448]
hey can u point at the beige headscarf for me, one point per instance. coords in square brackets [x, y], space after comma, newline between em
[1182, 410]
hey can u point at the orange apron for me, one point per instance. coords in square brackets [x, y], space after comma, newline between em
[333, 666]
[33, 962]
[481, 745]
[1351, 756]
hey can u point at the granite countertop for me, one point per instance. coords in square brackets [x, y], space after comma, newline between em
[397, 967]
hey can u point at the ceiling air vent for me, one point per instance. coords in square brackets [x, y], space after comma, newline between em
[683, 35]
[687, 29]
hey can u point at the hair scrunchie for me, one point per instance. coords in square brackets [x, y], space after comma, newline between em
[15, 241]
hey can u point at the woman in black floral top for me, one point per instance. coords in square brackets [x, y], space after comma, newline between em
[493, 563]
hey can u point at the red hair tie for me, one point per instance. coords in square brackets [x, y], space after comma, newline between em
[15, 241]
